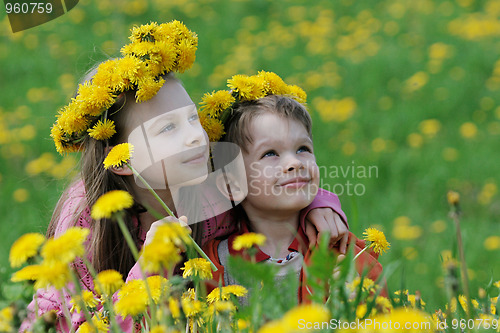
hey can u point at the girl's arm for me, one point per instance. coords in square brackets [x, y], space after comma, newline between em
[325, 214]
[326, 203]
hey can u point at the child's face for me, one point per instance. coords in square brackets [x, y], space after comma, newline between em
[171, 147]
[281, 168]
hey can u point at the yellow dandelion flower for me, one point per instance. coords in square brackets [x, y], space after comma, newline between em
[463, 302]
[190, 307]
[25, 247]
[376, 239]
[108, 76]
[186, 55]
[119, 155]
[132, 303]
[368, 284]
[198, 267]
[220, 307]
[159, 255]
[497, 284]
[213, 127]
[100, 322]
[413, 300]
[165, 31]
[70, 120]
[361, 310]
[158, 286]
[468, 130]
[273, 327]
[85, 328]
[132, 287]
[56, 133]
[147, 89]
[108, 282]
[225, 293]
[144, 32]
[28, 273]
[174, 308]
[168, 54]
[297, 93]
[66, 247]
[110, 203]
[102, 130]
[141, 49]
[403, 317]
[383, 304]
[309, 313]
[274, 84]
[128, 66]
[54, 273]
[453, 198]
[99, 98]
[174, 233]
[416, 82]
[158, 329]
[216, 102]
[248, 240]
[6, 319]
[180, 28]
[493, 307]
[142, 73]
[248, 87]
[216, 130]
[189, 294]
[87, 298]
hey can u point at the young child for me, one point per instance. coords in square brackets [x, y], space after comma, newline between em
[274, 134]
[135, 99]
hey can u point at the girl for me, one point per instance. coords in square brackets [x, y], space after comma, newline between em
[171, 147]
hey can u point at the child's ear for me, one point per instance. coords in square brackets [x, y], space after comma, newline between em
[123, 170]
[230, 187]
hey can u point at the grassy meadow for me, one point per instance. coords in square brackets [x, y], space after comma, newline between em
[408, 90]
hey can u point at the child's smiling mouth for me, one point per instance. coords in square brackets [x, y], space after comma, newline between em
[295, 182]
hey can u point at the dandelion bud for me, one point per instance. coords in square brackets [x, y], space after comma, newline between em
[453, 198]
[482, 293]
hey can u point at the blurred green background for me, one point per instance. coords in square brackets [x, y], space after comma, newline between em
[408, 88]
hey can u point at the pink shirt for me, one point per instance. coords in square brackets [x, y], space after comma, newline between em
[51, 299]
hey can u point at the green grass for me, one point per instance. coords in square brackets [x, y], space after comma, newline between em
[300, 42]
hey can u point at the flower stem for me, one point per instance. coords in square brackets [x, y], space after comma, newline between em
[157, 197]
[81, 303]
[359, 253]
[465, 276]
[135, 253]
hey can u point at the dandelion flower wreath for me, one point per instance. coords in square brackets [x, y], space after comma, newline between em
[155, 49]
[216, 107]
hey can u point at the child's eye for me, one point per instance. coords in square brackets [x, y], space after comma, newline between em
[193, 117]
[269, 154]
[304, 148]
[168, 127]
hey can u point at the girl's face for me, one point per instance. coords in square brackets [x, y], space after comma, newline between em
[170, 145]
[281, 167]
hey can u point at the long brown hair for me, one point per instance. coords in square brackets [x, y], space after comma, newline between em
[108, 249]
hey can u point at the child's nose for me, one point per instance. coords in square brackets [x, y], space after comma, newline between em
[293, 163]
[195, 137]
